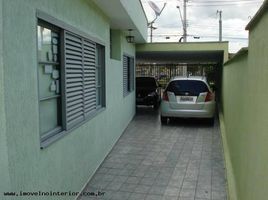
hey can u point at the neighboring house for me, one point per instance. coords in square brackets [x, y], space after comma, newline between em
[66, 89]
[245, 114]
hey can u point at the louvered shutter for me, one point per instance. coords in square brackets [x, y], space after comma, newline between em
[80, 78]
[74, 79]
[132, 71]
[125, 75]
[89, 76]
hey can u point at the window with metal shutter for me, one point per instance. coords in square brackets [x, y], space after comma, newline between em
[71, 75]
[125, 75]
[89, 76]
[128, 75]
[132, 71]
[80, 64]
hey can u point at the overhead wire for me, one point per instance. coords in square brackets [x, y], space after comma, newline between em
[222, 3]
[205, 1]
[208, 3]
[202, 36]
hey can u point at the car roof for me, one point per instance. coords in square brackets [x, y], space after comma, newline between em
[198, 78]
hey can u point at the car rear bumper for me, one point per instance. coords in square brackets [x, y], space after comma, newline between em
[207, 111]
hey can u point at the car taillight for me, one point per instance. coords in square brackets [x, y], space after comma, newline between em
[165, 96]
[209, 97]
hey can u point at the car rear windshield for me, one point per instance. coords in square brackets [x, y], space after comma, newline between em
[187, 87]
[145, 82]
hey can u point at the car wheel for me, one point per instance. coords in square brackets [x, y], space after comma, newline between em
[163, 120]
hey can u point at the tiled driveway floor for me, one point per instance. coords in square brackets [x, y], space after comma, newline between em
[179, 161]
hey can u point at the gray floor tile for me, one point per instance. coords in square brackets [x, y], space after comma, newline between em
[187, 198]
[187, 193]
[182, 160]
[176, 182]
[107, 194]
[172, 191]
[142, 189]
[120, 179]
[218, 195]
[137, 196]
[203, 193]
[151, 174]
[114, 171]
[161, 181]
[133, 180]
[115, 186]
[157, 190]
[103, 170]
[168, 197]
[147, 181]
[120, 195]
[189, 184]
[107, 177]
[154, 197]
[128, 187]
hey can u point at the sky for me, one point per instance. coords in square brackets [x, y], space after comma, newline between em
[203, 20]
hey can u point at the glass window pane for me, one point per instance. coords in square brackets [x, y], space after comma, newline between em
[48, 115]
[192, 87]
[49, 84]
[47, 45]
[128, 75]
[98, 96]
[98, 76]
[49, 79]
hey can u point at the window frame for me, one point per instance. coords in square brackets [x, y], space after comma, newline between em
[101, 69]
[51, 22]
[130, 69]
[58, 129]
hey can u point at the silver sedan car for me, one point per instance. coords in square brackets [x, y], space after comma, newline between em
[188, 97]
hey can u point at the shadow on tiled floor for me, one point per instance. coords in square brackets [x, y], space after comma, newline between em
[179, 161]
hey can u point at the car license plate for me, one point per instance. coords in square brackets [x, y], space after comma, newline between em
[183, 99]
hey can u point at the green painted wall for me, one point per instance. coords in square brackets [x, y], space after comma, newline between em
[116, 52]
[258, 110]
[189, 46]
[4, 171]
[137, 14]
[234, 90]
[68, 163]
[245, 112]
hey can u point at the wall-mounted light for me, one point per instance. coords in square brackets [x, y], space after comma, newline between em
[129, 37]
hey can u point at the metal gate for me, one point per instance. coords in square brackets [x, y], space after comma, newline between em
[164, 72]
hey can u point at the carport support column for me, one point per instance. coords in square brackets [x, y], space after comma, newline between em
[184, 70]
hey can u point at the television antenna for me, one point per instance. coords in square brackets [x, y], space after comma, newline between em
[157, 12]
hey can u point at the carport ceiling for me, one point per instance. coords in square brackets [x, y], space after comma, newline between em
[171, 57]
